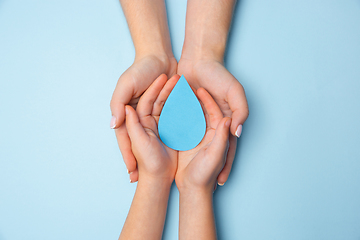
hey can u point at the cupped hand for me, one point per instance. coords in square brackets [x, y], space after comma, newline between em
[199, 167]
[131, 85]
[227, 92]
[154, 159]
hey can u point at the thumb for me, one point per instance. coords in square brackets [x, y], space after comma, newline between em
[122, 95]
[218, 145]
[239, 108]
[135, 129]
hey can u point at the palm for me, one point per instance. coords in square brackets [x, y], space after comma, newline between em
[149, 108]
[190, 163]
[140, 75]
[130, 87]
[227, 93]
[166, 158]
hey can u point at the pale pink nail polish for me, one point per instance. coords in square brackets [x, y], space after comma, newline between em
[238, 131]
[113, 122]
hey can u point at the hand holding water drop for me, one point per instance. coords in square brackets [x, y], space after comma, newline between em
[198, 168]
[154, 159]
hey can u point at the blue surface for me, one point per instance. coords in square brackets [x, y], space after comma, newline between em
[296, 172]
[182, 122]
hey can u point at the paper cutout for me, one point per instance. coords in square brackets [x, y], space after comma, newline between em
[182, 122]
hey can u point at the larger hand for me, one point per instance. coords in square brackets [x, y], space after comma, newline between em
[228, 94]
[149, 30]
[131, 85]
[201, 63]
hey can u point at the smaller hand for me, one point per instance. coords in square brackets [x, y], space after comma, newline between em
[154, 159]
[131, 85]
[199, 168]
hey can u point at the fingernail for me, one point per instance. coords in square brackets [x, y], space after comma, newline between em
[238, 131]
[227, 123]
[113, 122]
[221, 184]
[128, 171]
[126, 111]
[131, 181]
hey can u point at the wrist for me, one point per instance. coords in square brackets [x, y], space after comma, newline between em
[166, 63]
[151, 182]
[155, 50]
[204, 47]
[196, 191]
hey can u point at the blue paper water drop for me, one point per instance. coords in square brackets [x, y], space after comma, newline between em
[182, 123]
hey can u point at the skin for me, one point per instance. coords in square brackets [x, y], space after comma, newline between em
[195, 171]
[202, 64]
[147, 22]
[157, 164]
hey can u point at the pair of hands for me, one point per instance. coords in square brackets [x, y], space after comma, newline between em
[209, 74]
[197, 168]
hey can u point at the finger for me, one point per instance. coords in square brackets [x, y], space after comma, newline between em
[135, 129]
[211, 108]
[125, 148]
[239, 107]
[164, 94]
[134, 176]
[122, 95]
[219, 143]
[146, 102]
[225, 172]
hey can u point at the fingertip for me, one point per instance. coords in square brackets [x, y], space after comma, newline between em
[227, 122]
[222, 178]
[201, 91]
[113, 122]
[127, 109]
[238, 118]
[176, 76]
[117, 117]
[225, 125]
[238, 131]
[134, 176]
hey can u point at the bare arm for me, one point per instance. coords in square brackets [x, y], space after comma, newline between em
[202, 63]
[207, 27]
[148, 210]
[148, 26]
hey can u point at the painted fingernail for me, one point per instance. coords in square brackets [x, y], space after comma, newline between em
[113, 122]
[221, 184]
[238, 131]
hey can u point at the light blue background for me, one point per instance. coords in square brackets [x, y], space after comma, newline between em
[296, 174]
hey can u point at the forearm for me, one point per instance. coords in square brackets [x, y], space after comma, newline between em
[148, 211]
[207, 27]
[196, 215]
[148, 26]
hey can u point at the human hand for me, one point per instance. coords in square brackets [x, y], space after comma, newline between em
[155, 160]
[226, 91]
[199, 167]
[131, 85]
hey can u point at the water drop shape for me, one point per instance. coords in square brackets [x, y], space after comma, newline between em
[182, 123]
